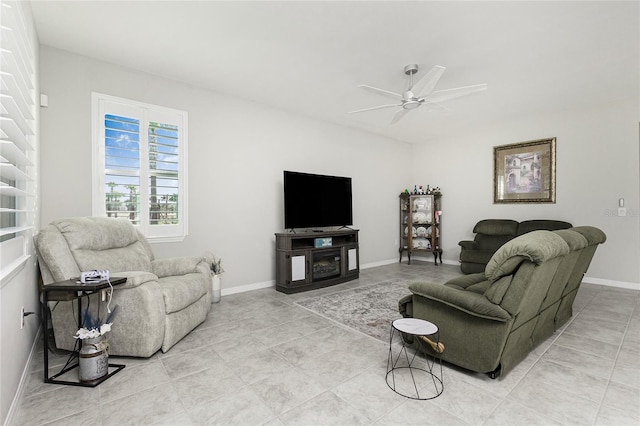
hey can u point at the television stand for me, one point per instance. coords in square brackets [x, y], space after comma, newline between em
[307, 261]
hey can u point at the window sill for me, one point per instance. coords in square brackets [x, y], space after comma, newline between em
[11, 270]
[174, 239]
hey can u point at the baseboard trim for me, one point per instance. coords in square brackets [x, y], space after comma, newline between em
[17, 398]
[430, 259]
[248, 287]
[588, 280]
[272, 283]
[612, 283]
[375, 264]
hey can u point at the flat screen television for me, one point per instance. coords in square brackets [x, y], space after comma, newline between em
[314, 201]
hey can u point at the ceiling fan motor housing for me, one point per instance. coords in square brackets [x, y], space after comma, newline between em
[409, 101]
[411, 69]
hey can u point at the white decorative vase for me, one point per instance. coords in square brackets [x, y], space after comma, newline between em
[216, 288]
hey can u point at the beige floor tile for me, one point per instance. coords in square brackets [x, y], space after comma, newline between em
[55, 404]
[609, 416]
[588, 345]
[236, 407]
[369, 394]
[624, 398]
[627, 374]
[205, 386]
[287, 390]
[476, 405]
[513, 413]
[553, 400]
[261, 359]
[591, 364]
[154, 406]
[421, 413]
[325, 409]
[130, 381]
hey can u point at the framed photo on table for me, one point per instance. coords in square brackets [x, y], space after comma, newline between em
[525, 172]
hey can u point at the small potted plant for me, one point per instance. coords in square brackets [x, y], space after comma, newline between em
[215, 264]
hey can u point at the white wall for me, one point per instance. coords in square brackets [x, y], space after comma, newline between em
[597, 158]
[16, 291]
[238, 149]
[237, 153]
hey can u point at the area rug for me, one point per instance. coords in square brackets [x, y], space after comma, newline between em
[369, 309]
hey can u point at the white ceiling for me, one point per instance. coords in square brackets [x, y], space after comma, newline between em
[309, 57]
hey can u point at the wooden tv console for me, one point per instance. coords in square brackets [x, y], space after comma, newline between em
[304, 263]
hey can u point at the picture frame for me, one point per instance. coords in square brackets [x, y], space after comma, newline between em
[525, 172]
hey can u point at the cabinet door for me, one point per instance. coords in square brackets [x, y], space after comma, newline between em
[435, 228]
[297, 268]
[404, 221]
[352, 262]
[421, 222]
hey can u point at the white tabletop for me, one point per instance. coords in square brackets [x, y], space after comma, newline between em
[416, 327]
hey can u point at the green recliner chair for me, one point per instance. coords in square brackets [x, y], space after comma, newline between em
[490, 321]
[491, 234]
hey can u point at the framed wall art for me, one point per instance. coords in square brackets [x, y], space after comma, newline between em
[525, 172]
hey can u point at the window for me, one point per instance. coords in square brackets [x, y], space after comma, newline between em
[18, 141]
[139, 157]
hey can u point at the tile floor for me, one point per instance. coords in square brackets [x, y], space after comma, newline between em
[259, 359]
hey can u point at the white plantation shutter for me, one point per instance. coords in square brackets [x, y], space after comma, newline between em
[164, 181]
[17, 138]
[122, 167]
[139, 165]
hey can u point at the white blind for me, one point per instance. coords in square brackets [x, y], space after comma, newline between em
[17, 136]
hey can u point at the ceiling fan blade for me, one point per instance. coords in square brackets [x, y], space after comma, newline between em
[374, 108]
[398, 115]
[432, 106]
[425, 85]
[445, 95]
[382, 92]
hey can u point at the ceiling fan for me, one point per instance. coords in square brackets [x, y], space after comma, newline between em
[420, 93]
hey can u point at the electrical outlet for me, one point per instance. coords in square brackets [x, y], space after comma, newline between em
[22, 318]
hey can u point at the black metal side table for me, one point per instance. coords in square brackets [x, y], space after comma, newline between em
[72, 290]
[410, 375]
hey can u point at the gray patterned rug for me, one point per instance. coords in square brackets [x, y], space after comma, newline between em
[369, 309]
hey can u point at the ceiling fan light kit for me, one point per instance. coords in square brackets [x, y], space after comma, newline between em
[420, 93]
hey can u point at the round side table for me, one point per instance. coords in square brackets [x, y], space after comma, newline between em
[409, 375]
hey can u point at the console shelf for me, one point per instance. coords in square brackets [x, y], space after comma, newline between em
[304, 263]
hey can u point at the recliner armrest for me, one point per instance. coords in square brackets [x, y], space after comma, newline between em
[468, 245]
[178, 266]
[463, 282]
[134, 278]
[472, 303]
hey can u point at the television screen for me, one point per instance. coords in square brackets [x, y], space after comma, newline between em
[316, 200]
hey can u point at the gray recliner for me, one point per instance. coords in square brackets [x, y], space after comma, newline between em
[161, 302]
